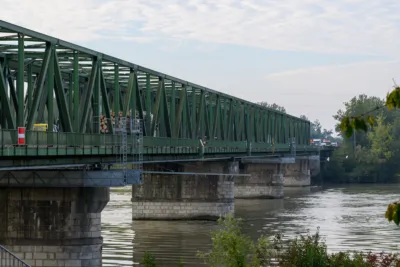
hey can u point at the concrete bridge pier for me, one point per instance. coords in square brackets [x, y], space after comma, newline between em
[53, 226]
[178, 196]
[266, 180]
[298, 174]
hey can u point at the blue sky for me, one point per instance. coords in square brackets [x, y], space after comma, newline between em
[307, 55]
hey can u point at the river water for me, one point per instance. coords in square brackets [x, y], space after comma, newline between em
[349, 217]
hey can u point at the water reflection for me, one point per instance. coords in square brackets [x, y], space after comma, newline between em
[349, 218]
[172, 241]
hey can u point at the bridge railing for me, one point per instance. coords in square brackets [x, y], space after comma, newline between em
[78, 143]
[8, 259]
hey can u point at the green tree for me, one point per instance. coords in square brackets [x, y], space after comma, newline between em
[365, 157]
[304, 117]
[273, 106]
[365, 120]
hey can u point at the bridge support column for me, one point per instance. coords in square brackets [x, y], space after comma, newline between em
[53, 226]
[315, 165]
[298, 174]
[184, 196]
[266, 181]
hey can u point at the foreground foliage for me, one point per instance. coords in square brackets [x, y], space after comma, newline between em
[232, 248]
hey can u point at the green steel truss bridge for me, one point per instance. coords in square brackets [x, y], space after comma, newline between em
[85, 96]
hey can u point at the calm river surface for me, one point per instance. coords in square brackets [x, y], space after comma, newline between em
[349, 217]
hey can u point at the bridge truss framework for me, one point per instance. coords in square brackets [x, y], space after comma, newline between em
[44, 79]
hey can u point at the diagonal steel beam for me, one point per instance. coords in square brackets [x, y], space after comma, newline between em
[139, 105]
[167, 122]
[64, 113]
[156, 107]
[6, 107]
[106, 103]
[87, 96]
[39, 87]
[13, 93]
[129, 89]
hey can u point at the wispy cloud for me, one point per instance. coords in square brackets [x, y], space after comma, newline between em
[341, 26]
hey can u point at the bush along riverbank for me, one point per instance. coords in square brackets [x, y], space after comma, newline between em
[232, 248]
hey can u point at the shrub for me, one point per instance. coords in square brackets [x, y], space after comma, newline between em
[304, 251]
[148, 260]
[231, 248]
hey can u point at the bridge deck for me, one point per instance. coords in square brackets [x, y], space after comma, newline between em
[47, 80]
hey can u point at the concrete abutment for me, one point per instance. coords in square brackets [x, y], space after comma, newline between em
[185, 196]
[53, 226]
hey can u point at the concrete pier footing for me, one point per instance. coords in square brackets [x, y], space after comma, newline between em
[297, 174]
[266, 181]
[185, 196]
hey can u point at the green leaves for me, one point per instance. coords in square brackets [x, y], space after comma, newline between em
[393, 213]
[371, 120]
[349, 124]
[360, 124]
[346, 127]
[393, 98]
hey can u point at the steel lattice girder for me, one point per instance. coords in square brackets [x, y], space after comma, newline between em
[87, 84]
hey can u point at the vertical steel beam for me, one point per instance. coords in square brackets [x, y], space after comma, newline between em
[96, 102]
[167, 122]
[39, 87]
[188, 125]
[75, 75]
[71, 95]
[256, 124]
[20, 81]
[172, 111]
[106, 102]
[30, 86]
[227, 132]
[134, 95]
[207, 108]
[50, 93]
[193, 120]
[180, 110]
[200, 115]
[185, 133]
[148, 102]
[116, 97]
[139, 104]
[156, 107]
